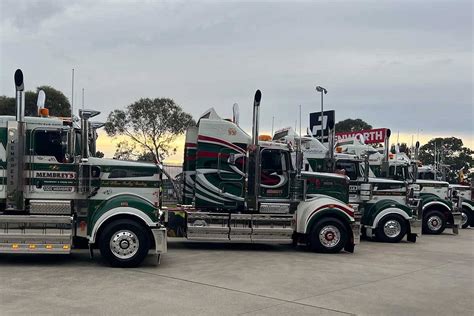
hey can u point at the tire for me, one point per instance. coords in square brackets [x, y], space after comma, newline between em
[124, 243]
[434, 223]
[391, 228]
[328, 235]
[467, 217]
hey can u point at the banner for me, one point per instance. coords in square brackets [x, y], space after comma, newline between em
[371, 136]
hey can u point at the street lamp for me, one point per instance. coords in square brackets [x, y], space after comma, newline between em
[323, 91]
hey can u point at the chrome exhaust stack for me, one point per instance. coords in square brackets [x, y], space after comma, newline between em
[253, 178]
[331, 142]
[85, 115]
[385, 166]
[16, 137]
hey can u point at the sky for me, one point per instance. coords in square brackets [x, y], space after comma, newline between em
[405, 65]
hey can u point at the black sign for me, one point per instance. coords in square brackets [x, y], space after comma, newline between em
[328, 121]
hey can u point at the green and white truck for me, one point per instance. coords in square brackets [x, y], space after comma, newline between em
[389, 210]
[54, 196]
[242, 188]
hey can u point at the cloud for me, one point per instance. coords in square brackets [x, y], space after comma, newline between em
[398, 64]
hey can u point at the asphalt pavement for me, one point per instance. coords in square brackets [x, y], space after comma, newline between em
[435, 276]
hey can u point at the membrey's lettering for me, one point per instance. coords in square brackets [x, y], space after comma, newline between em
[55, 175]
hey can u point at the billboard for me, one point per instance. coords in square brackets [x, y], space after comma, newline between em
[371, 136]
[315, 122]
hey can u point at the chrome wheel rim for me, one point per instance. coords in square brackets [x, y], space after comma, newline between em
[124, 244]
[329, 236]
[435, 222]
[392, 228]
[463, 218]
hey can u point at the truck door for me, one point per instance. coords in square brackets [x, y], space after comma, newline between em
[52, 173]
[274, 173]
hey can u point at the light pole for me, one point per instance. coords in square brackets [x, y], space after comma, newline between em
[323, 91]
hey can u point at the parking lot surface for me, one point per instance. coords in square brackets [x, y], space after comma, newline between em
[435, 276]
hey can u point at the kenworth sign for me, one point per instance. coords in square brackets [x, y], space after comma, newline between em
[371, 136]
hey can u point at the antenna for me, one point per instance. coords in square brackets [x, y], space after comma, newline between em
[273, 123]
[300, 129]
[83, 98]
[72, 95]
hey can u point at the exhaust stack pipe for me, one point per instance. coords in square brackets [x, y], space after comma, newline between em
[16, 149]
[85, 115]
[20, 96]
[256, 112]
[385, 167]
[331, 137]
[253, 179]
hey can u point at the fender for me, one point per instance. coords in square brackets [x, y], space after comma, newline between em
[468, 204]
[312, 209]
[390, 210]
[440, 203]
[121, 204]
[119, 211]
[428, 199]
[375, 212]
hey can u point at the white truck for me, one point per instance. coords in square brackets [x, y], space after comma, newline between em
[55, 196]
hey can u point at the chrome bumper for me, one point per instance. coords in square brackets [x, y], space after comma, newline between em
[160, 237]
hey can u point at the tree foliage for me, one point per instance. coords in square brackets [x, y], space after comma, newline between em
[149, 126]
[352, 125]
[56, 102]
[449, 151]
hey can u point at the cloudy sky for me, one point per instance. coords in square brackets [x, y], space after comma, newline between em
[406, 65]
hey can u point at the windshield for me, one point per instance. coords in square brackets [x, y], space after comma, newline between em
[362, 170]
[400, 173]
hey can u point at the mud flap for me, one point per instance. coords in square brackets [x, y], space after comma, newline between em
[349, 247]
[457, 218]
[411, 237]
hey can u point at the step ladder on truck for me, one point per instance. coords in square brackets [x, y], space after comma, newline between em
[55, 195]
[247, 189]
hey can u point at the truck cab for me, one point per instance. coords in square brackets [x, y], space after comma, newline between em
[247, 188]
[56, 196]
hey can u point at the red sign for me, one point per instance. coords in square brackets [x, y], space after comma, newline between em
[370, 136]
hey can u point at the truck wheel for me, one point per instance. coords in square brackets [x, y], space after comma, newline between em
[392, 228]
[124, 243]
[434, 223]
[328, 236]
[466, 217]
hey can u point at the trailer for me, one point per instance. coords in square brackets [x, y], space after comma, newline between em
[242, 188]
[55, 196]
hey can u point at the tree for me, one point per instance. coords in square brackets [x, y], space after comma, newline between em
[449, 151]
[7, 105]
[150, 126]
[352, 125]
[56, 102]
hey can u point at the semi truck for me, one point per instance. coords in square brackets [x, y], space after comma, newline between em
[462, 194]
[438, 206]
[55, 196]
[242, 188]
[389, 210]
